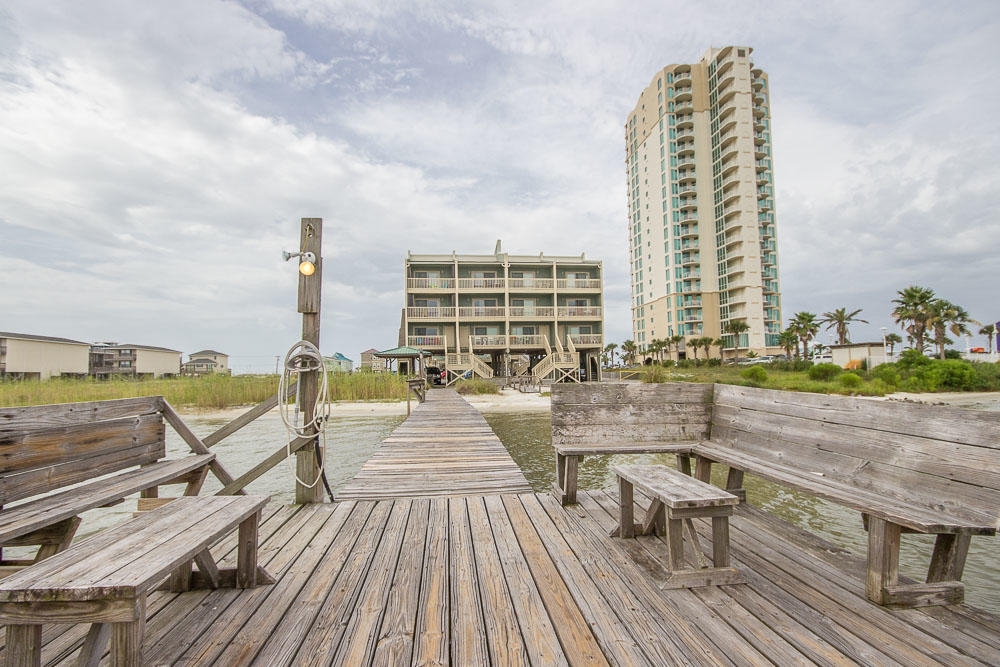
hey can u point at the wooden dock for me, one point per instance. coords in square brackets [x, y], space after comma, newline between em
[445, 448]
[519, 579]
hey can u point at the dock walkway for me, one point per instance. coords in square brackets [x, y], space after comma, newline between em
[519, 579]
[445, 448]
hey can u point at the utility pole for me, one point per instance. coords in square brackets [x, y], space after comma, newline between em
[310, 295]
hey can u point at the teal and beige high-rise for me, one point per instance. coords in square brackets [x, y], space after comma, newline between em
[701, 220]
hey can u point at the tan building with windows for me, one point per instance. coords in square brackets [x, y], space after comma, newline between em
[701, 222]
[506, 315]
[108, 359]
[206, 362]
[369, 362]
[31, 357]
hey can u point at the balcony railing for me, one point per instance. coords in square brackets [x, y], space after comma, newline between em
[685, 133]
[530, 283]
[430, 283]
[531, 312]
[526, 341]
[481, 312]
[488, 341]
[587, 312]
[690, 188]
[480, 283]
[586, 339]
[578, 283]
[430, 313]
[425, 341]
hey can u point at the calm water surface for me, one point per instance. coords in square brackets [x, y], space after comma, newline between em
[351, 441]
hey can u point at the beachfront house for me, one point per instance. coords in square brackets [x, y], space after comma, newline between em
[514, 313]
[369, 362]
[852, 355]
[338, 363]
[206, 361]
[33, 357]
[130, 360]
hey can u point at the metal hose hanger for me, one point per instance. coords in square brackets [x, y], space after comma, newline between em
[304, 357]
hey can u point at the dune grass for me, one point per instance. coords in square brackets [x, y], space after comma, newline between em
[211, 391]
[475, 386]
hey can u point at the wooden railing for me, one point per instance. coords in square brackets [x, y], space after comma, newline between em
[481, 312]
[527, 341]
[531, 312]
[430, 313]
[430, 283]
[425, 341]
[480, 283]
[578, 283]
[586, 339]
[530, 283]
[488, 341]
[589, 312]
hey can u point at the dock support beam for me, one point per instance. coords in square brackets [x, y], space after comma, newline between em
[310, 295]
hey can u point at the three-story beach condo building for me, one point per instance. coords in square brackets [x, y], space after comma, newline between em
[701, 227]
[506, 315]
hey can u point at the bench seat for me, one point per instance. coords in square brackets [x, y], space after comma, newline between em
[678, 498]
[626, 447]
[32, 515]
[915, 517]
[104, 580]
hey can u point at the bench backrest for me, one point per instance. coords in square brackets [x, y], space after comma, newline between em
[630, 412]
[48, 447]
[939, 457]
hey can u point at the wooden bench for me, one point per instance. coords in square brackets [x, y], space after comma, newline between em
[676, 500]
[105, 579]
[905, 467]
[624, 418]
[107, 449]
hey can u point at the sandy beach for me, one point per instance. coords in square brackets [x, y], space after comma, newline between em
[975, 400]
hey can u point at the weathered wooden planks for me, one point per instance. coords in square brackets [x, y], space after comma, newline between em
[445, 448]
[522, 579]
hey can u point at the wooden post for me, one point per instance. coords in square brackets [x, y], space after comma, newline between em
[310, 295]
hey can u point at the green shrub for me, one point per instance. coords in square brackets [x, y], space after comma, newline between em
[887, 374]
[910, 359]
[824, 372]
[668, 363]
[850, 380]
[987, 376]
[952, 354]
[714, 362]
[475, 386]
[755, 375]
[954, 375]
[655, 375]
[686, 363]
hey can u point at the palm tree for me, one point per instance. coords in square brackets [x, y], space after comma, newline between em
[609, 349]
[819, 348]
[989, 331]
[789, 339]
[892, 340]
[839, 319]
[629, 350]
[736, 328]
[693, 344]
[706, 343]
[913, 306]
[656, 348]
[676, 340]
[806, 327]
[719, 343]
[945, 316]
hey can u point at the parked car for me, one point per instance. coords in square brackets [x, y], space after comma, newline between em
[435, 375]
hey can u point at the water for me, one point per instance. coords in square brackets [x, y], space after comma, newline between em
[352, 440]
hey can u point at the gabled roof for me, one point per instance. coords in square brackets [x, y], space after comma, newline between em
[202, 352]
[403, 351]
[152, 348]
[201, 360]
[339, 357]
[371, 350]
[43, 339]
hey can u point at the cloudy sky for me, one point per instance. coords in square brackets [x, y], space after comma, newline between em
[156, 157]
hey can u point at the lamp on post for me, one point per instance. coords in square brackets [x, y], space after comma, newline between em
[885, 355]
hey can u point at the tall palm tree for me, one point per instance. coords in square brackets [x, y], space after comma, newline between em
[721, 344]
[989, 331]
[693, 344]
[912, 312]
[676, 340]
[629, 350]
[610, 350]
[839, 320]
[945, 316]
[892, 340]
[706, 343]
[789, 339]
[736, 328]
[807, 327]
[656, 348]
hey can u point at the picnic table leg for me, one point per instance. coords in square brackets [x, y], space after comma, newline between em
[572, 466]
[720, 541]
[246, 560]
[883, 558]
[675, 543]
[126, 638]
[94, 645]
[948, 560]
[626, 525]
[24, 646]
[703, 469]
[684, 463]
[734, 484]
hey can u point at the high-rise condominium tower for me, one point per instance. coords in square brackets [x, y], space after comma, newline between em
[701, 205]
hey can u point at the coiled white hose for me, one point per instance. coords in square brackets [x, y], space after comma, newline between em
[304, 357]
